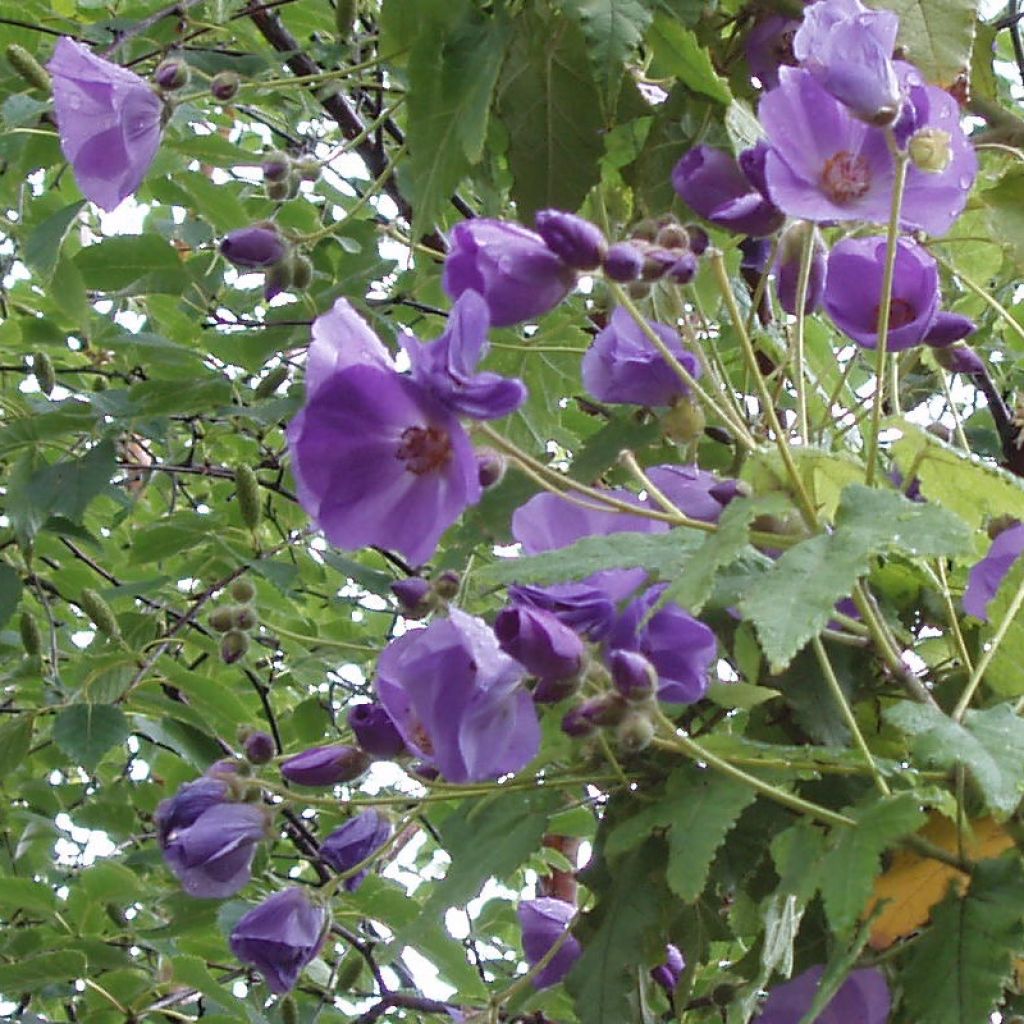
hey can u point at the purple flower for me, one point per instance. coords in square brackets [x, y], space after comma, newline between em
[576, 241]
[623, 262]
[445, 367]
[375, 732]
[544, 921]
[355, 841]
[680, 648]
[863, 997]
[108, 120]
[207, 842]
[948, 328]
[413, 593]
[633, 674]
[848, 49]
[959, 359]
[713, 184]
[458, 700]
[280, 936]
[259, 747]
[667, 975]
[377, 459]
[254, 247]
[694, 491]
[787, 267]
[584, 607]
[853, 291]
[770, 45]
[519, 277]
[623, 366]
[542, 644]
[987, 576]
[325, 766]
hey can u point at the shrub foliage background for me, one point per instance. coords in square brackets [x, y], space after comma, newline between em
[145, 383]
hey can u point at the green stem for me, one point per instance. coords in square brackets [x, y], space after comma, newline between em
[1001, 311]
[806, 258]
[884, 309]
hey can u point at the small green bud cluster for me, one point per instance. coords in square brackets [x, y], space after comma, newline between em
[282, 173]
[236, 621]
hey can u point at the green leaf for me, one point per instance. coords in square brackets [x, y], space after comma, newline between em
[32, 973]
[27, 894]
[1004, 205]
[1003, 674]
[677, 50]
[10, 592]
[117, 262]
[42, 247]
[614, 29]
[955, 972]
[990, 744]
[937, 35]
[795, 598]
[15, 741]
[849, 869]
[551, 109]
[85, 732]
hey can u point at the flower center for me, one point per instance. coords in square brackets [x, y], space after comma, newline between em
[421, 739]
[846, 177]
[901, 313]
[424, 449]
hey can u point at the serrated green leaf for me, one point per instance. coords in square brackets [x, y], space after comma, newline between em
[955, 972]
[15, 740]
[10, 592]
[85, 732]
[117, 262]
[936, 35]
[35, 972]
[677, 50]
[614, 29]
[42, 247]
[989, 743]
[849, 868]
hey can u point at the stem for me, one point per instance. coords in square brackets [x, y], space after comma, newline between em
[884, 309]
[806, 257]
[954, 622]
[1004, 314]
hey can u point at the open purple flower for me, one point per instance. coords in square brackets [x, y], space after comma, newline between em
[352, 843]
[622, 365]
[769, 45]
[544, 922]
[853, 291]
[848, 49]
[714, 185]
[446, 367]
[544, 646]
[108, 119]
[280, 936]
[458, 699]
[680, 648]
[377, 459]
[586, 608]
[519, 277]
[375, 732]
[987, 576]
[864, 997]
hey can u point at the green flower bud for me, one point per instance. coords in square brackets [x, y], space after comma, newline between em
[308, 167]
[222, 619]
[672, 236]
[276, 166]
[302, 272]
[42, 367]
[247, 491]
[930, 150]
[293, 185]
[31, 638]
[233, 646]
[243, 591]
[224, 85]
[447, 584]
[28, 67]
[244, 617]
[278, 278]
[100, 612]
[277, 190]
[684, 422]
[273, 380]
[634, 733]
[171, 74]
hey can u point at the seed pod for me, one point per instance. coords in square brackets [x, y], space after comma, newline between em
[233, 646]
[31, 638]
[224, 86]
[244, 617]
[222, 619]
[308, 168]
[276, 166]
[344, 16]
[247, 491]
[42, 367]
[302, 272]
[28, 67]
[100, 612]
[243, 591]
[273, 380]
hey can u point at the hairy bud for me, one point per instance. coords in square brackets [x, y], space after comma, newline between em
[224, 85]
[100, 612]
[259, 747]
[930, 150]
[46, 377]
[171, 74]
[233, 646]
[31, 71]
[31, 638]
[302, 272]
[634, 733]
[273, 380]
[276, 166]
[247, 491]
[308, 167]
[244, 617]
[222, 619]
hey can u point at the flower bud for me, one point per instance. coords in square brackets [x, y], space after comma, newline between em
[359, 838]
[554, 691]
[244, 617]
[375, 731]
[576, 724]
[623, 262]
[273, 380]
[657, 263]
[254, 247]
[243, 591]
[608, 709]
[667, 974]
[948, 328]
[414, 596]
[634, 733]
[727, 490]
[46, 377]
[308, 167]
[959, 359]
[276, 166]
[699, 239]
[684, 422]
[222, 619]
[634, 676]
[684, 270]
[645, 230]
[490, 467]
[447, 584]
[302, 272]
[100, 612]
[326, 766]
[259, 747]
[224, 85]
[278, 190]
[543, 645]
[171, 74]
[31, 638]
[672, 236]
[930, 150]
[247, 493]
[787, 266]
[31, 71]
[278, 279]
[289, 1009]
[344, 16]
[576, 241]
[233, 646]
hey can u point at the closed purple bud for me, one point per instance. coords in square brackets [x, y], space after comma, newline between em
[607, 709]
[684, 269]
[623, 262]
[259, 747]
[490, 467]
[634, 676]
[987, 576]
[959, 359]
[948, 328]
[280, 936]
[728, 490]
[276, 166]
[787, 267]
[359, 838]
[576, 724]
[374, 730]
[667, 974]
[544, 922]
[413, 596]
[425, 772]
[657, 263]
[699, 239]
[254, 247]
[576, 241]
[326, 766]
[171, 74]
[754, 253]
[554, 691]
[224, 86]
[543, 645]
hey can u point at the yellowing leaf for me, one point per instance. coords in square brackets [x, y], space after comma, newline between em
[914, 884]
